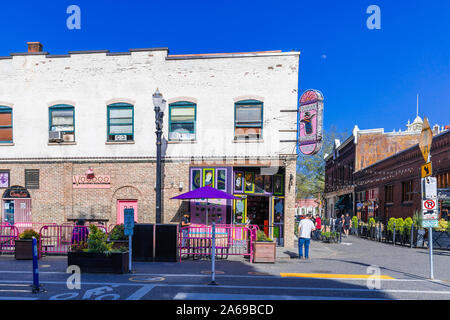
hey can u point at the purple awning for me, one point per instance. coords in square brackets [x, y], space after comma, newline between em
[205, 193]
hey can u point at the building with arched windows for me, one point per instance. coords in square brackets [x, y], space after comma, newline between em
[77, 136]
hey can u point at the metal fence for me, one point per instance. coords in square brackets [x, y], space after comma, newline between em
[36, 226]
[8, 235]
[230, 240]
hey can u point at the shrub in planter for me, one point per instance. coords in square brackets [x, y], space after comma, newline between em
[265, 248]
[443, 226]
[24, 246]
[118, 238]
[97, 256]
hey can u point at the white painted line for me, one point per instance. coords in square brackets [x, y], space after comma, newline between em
[253, 287]
[17, 298]
[214, 296]
[141, 292]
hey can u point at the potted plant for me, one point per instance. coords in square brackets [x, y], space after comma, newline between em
[265, 248]
[330, 237]
[118, 238]
[371, 228]
[441, 235]
[24, 245]
[97, 255]
[355, 225]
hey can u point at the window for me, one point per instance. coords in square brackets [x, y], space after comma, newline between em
[32, 178]
[6, 135]
[389, 194]
[248, 119]
[62, 119]
[407, 191]
[443, 180]
[182, 117]
[4, 178]
[120, 122]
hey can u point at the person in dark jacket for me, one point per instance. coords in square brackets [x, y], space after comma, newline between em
[80, 233]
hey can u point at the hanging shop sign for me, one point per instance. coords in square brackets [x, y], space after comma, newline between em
[97, 182]
[310, 122]
[16, 192]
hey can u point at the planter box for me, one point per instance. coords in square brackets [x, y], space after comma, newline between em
[264, 252]
[24, 249]
[92, 262]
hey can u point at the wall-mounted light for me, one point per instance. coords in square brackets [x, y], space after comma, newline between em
[291, 180]
[90, 173]
[180, 186]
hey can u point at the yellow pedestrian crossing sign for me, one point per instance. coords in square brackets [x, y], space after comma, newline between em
[426, 170]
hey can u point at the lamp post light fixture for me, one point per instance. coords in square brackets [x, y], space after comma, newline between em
[160, 106]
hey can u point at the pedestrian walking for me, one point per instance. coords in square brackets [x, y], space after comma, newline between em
[318, 231]
[80, 233]
[305, 227]
[347, 222]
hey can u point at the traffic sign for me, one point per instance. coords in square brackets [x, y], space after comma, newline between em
[128, 221]
[425, 140]
[429, 188]
[426, 170]
[429, 204]
[430, 224]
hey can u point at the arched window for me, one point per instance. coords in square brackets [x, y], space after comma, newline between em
[248, 120]
[120, 122]
[62, 123]
[182, 121]
[6, 128]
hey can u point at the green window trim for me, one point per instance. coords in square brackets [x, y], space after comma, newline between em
[193, 123]
[120, 106]
[257, 124]
[5, 109]
[61, 107]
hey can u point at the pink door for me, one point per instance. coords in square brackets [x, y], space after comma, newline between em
[122, 204]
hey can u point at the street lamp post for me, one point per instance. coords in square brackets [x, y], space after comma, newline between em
[160, 105]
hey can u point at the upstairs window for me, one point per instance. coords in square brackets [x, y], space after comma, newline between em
[248, 122]
[182, 118]
[389, 194]
[407, 191]
[120, 122]
[61, 123]
[6, 134]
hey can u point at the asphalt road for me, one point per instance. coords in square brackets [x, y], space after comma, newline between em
[356, 269]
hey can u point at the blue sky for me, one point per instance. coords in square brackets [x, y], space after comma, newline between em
[368, 77]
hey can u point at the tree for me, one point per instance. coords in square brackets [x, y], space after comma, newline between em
[311, 169]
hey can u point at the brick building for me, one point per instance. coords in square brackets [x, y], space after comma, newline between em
[77, 135]
[397, 180]
[360, 150]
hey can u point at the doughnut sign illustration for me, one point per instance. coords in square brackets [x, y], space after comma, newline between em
[310, 122]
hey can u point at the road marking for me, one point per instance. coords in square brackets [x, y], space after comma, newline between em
[335, 276]
[17, 298]
[209, 296]
[141, 292]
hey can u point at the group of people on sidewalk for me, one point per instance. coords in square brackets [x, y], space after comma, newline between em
[311, 227]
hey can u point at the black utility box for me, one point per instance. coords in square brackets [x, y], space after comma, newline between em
[166, 238]
[143, 242]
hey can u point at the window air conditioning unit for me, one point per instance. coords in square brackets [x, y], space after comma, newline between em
[56, 136]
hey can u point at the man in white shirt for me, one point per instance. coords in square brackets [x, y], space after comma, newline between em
[305, 227]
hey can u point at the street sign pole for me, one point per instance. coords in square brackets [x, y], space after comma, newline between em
[128, 217]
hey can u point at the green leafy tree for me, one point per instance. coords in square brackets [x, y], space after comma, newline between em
[311, 169]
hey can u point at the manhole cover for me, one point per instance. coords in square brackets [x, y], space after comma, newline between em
[256, 273]
[209, 272]
[147, 279]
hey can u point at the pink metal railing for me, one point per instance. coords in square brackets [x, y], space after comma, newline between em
[196, 240]
[36, 226]
[8, 235]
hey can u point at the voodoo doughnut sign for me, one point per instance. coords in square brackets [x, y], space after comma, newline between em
[310, 122]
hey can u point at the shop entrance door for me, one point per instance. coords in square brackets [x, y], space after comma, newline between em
[121, 205]
[258, 212]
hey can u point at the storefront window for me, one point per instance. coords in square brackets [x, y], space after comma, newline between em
[278, 184]
[249, 185]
